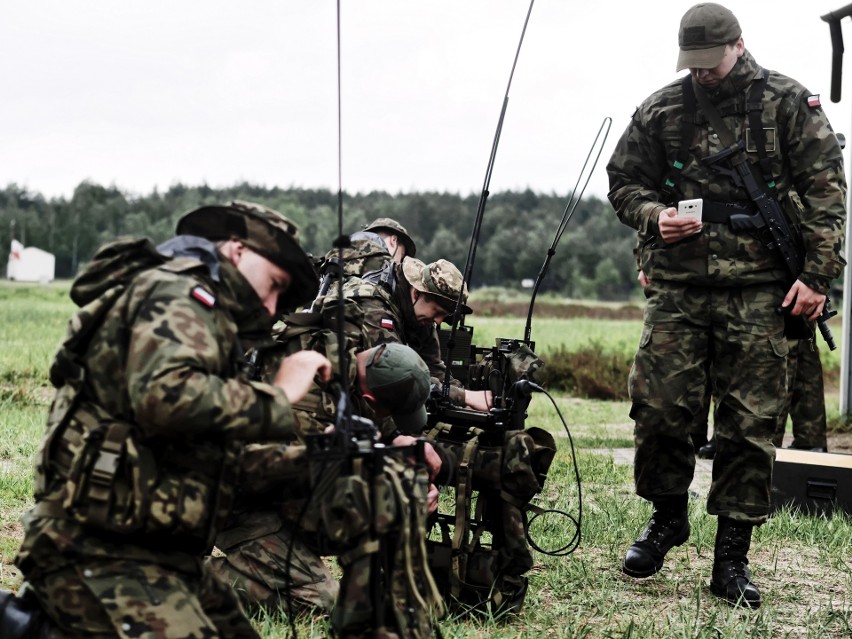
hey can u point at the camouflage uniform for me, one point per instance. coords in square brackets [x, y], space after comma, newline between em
[388, 313]
[368, 252]
[805, 398]
[270, 559]
[712, 297]
[137, 469]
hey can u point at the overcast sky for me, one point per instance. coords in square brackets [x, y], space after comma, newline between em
[152, 93]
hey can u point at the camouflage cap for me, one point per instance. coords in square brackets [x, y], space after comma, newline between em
[392, 226]
[266, 232]
[441, 279]
[705, 29]
[399, 380]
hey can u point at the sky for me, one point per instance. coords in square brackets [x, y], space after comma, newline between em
[143, 95]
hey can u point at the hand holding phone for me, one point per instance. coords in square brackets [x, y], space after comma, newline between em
[690, 208]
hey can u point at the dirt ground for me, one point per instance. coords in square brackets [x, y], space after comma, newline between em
[840, 442]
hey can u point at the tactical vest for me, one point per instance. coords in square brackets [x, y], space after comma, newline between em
[367, 253]
[315, 331]
[756, 134]
[97, 470]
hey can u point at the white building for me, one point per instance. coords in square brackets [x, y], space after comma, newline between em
[30, 264]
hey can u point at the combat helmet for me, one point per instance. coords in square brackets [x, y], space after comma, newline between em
[266, 232]
[399, 380]
[392, 226]
[440, 279]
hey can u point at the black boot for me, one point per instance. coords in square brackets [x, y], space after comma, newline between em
[668, 527]
[731, 578]
[21, 617]
[708, 450]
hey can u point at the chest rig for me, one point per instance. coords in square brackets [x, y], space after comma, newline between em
[753, 107]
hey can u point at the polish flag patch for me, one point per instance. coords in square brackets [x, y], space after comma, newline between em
[387, 323]
[204, 296]
[813, 101]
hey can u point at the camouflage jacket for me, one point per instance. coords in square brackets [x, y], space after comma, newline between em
[805, 157]
[310, 331]
[158, 371]
[389, 317]
[367, 253]
[273, 471]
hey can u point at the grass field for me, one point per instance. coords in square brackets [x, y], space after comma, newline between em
[803, 564]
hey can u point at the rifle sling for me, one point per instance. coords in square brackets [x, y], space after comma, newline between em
[713, 116]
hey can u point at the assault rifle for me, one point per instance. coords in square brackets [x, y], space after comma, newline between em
[769, 223]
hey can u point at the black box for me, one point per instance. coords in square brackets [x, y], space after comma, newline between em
[815, 483]
[462, 357]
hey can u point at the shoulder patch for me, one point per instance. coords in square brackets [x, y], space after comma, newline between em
[387, 323]
[204, 296]
[813, 101]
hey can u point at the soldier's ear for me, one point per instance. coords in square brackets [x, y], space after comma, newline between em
[232, 249]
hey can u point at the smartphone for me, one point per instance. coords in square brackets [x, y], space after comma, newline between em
[690, 208]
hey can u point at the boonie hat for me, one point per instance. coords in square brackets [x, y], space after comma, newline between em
[705, 29]
[266, 232]
[441, 279]
[392, 226]
[399, 380]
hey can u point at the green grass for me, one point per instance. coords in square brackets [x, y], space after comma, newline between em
[551, 333]
[803, 564]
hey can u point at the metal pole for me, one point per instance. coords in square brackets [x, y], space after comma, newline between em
[833, 19]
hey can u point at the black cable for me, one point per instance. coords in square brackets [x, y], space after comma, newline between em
[574, 543]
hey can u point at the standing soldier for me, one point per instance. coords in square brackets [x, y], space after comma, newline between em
[805, 399]
[136, 473]
[714, 291]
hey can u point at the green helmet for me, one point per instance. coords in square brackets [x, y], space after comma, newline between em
[441, 279]
[399, 380]
[263, 230]
[389, 225]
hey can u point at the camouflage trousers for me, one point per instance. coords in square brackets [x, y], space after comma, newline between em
[805, 398]
[271, 568]
[698, 340]
[108, 599]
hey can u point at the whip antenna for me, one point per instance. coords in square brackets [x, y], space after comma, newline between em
[342, 419]
[480, 209]
[573, 201]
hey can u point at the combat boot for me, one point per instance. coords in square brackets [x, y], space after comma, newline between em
[708, 450]
[731, 578]
[668, 527]
[21, 617]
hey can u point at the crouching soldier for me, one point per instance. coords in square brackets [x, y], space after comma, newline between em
[136, 472]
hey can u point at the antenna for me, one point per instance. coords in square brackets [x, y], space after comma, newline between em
[480, 209]
[573, 201]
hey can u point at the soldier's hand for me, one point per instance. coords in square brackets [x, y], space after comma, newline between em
[478, 400]
[804, 300]
[432, 498]
[674, 228]
[433, 460]
[296, 373]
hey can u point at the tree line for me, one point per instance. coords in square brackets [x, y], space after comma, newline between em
[593, 260]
